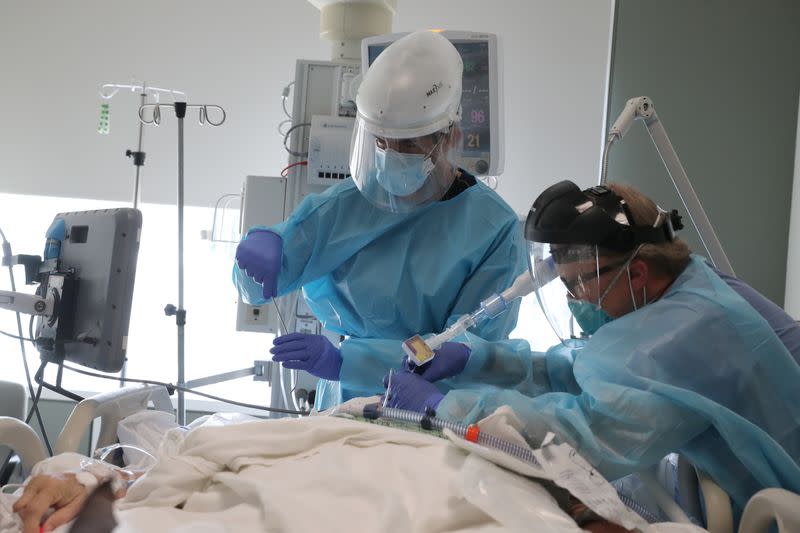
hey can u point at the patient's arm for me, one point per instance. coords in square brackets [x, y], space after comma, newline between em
[61, 492]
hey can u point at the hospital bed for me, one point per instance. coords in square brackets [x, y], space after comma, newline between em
[108, 407]
[766, 507]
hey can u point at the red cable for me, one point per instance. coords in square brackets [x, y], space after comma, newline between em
[285, 170]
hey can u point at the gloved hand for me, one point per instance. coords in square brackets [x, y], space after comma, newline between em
[313, 353]
[451, 359]
[259, 255]
[412, 392]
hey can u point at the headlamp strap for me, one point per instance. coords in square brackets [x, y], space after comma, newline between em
[641, 234]
[662, 233]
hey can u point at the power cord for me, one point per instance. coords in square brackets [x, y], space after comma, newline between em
[5, 473]
[286, 138]
[281, 124]
[284, 96]
[170, 387]
[285, 171]
[15, 336]
[35, 408]
[289, 120]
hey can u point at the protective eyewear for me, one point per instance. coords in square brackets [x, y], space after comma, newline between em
[574, 285]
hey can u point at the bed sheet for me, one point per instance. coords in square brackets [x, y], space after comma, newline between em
[232, 473]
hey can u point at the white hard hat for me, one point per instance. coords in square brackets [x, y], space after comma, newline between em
[404, 147]
[413, 88]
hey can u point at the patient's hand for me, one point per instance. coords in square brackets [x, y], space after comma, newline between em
[62, 492]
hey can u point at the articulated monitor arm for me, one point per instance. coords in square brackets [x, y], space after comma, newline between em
[642, 108]
[29, 304]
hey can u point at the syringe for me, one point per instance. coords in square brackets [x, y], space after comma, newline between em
[420, 350]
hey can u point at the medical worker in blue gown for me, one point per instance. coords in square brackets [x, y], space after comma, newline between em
[406, 246]
[658, 353]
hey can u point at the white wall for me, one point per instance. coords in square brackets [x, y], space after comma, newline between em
[54, 55]
[792, 301]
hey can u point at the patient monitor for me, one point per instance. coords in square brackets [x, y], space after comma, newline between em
[481, 98]
[85, 287]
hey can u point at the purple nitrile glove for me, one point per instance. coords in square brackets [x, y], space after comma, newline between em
[259, 255]
[451, 359]
[410, 391]
[304, 351]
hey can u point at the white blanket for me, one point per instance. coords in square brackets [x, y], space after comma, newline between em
[331, 474]
[300, 475]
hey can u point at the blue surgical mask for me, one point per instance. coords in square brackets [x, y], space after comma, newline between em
[588, 315]
[591, 316]
[402, 174]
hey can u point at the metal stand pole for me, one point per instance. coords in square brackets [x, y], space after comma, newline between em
[170, 309]
[138, 164]
[138, 157]
[180, 315]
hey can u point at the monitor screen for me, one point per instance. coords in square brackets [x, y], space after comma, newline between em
[475, 108]
[476, 99]
[91, 276]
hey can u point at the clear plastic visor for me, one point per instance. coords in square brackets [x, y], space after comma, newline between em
[566, 274]
[400, 175]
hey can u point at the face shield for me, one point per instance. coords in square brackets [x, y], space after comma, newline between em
[580, 243]
[571, 282]
[398, 173]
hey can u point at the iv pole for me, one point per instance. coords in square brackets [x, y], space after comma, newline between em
[642, 108]
[107, 91]
[170, 310]
[138, 156]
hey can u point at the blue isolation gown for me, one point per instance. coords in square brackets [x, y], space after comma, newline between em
[372, 274]
[698, 372]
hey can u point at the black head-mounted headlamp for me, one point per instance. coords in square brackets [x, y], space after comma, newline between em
[563, 214]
